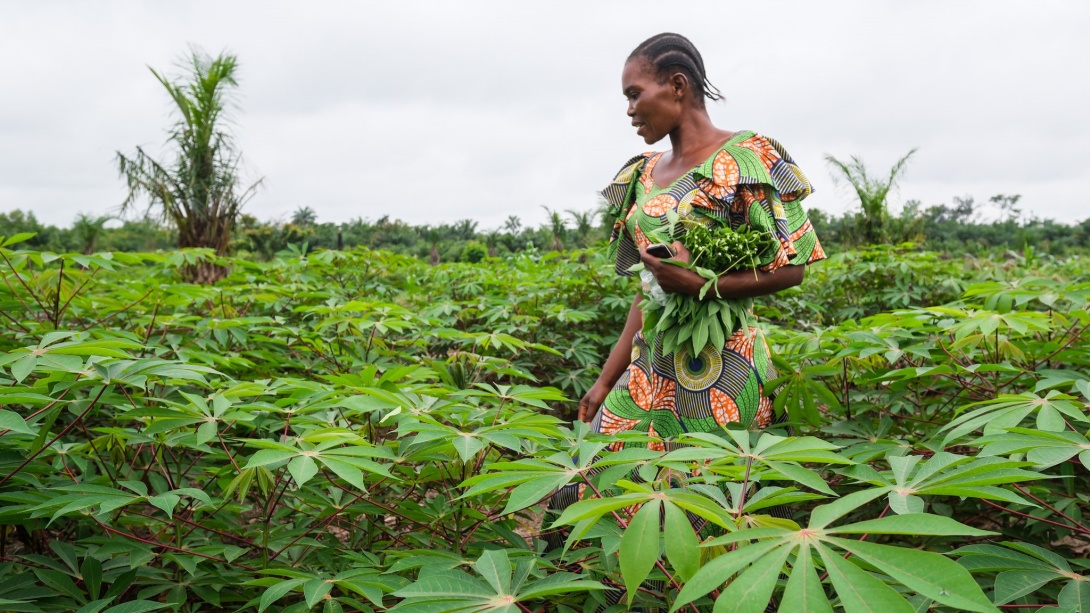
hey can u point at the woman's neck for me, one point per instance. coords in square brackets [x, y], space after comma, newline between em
[695, 138]
[694, 133]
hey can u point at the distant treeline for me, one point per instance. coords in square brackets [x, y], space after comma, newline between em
[955, 229]
[959, 228]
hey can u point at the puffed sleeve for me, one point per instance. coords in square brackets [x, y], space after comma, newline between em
[620, 196]
[761, 186]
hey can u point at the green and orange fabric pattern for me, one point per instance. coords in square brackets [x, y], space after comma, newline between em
[750, 180]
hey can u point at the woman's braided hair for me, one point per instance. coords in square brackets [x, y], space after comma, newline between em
[669, 53]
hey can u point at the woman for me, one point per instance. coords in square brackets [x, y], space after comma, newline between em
[710, 176]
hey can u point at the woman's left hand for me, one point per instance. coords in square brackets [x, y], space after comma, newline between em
[673, 279]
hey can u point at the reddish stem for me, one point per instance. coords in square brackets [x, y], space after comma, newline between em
[1040, 519]
[1081, 527]
[624, 524]
[55, 438]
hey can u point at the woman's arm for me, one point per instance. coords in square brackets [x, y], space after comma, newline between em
[615, 365]
[734, 284]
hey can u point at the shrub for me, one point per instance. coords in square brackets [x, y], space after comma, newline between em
[473, 252]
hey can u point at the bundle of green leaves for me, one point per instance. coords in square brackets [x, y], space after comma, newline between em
[697, 321]
[722, 250]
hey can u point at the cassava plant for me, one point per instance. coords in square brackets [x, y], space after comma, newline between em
[361, 431]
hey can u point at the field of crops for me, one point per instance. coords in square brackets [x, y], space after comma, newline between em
[360, 431]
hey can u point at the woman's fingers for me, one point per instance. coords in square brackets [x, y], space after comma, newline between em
[586, 411]
[673, 279]
[680, 252]
[585, 415]
[588, 406]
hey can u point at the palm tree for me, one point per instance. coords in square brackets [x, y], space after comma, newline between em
[584, 225]
[512, 233]
[492, 241]
[556, 227]
[465, 229]
[432, 237]
[304, 216]
[1008, 206]
[872, 192]
[199, 191]
[87, 230]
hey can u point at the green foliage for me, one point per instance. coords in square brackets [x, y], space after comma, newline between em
[88, 230]
[361, 431]
[951, 229]
[722, 249]
[696, 322]
[872, 194]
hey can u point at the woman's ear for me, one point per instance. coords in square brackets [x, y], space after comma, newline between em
[680, 84]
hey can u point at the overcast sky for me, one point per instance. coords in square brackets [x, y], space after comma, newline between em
[437, 111]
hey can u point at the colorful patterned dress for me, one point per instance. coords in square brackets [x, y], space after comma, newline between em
[750, 180]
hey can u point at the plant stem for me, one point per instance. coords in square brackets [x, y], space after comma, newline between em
[1077, 528]
[57, 299]
[54, 439]
[624, 525]
[1077, 524]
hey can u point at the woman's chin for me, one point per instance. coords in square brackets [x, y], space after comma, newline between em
[651, 139]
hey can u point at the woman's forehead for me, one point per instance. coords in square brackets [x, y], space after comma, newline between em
[636, 69]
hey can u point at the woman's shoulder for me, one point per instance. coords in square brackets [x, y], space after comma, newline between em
[764, 150]
[618, 190]
[631, 168]
[751, 158]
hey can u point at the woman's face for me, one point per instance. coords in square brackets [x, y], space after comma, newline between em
[655, 108]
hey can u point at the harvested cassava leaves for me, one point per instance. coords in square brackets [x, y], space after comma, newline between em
[723, 250]
[696, 321]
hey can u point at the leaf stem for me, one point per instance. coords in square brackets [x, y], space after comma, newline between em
[624, 525]
[1076, 528]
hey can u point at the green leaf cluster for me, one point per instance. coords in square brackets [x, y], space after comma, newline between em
[698, 322]
[361, 431]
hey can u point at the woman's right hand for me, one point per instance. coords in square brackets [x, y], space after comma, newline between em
[592, 400]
